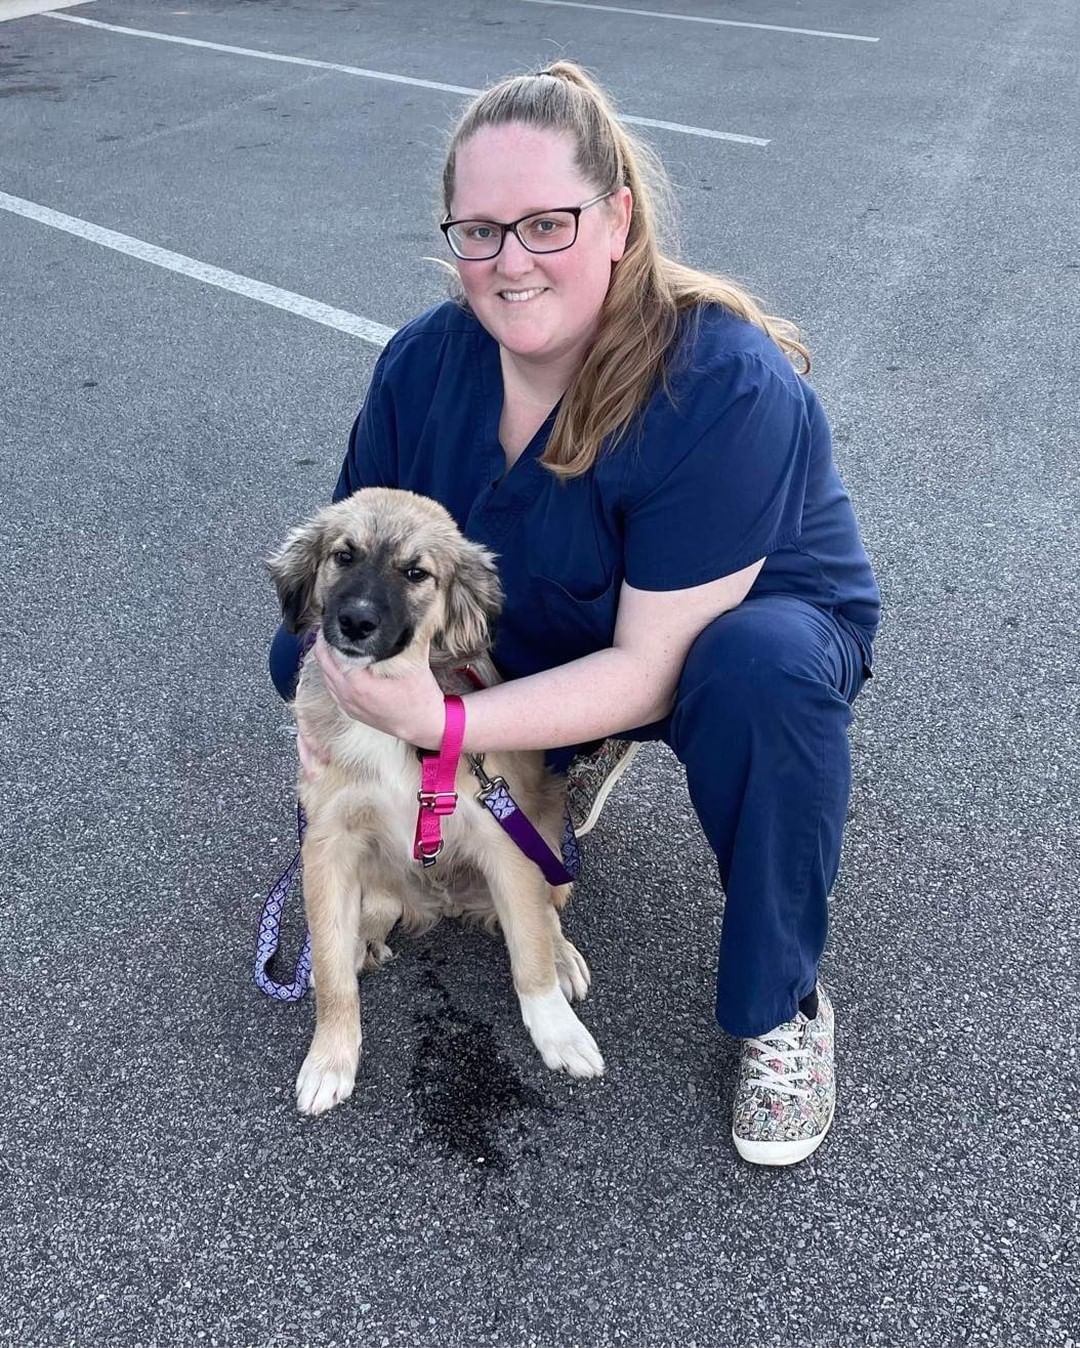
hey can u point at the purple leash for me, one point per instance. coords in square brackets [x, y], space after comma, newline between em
[269, 937]
[495, 795]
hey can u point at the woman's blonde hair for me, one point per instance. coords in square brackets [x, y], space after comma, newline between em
[648, 290]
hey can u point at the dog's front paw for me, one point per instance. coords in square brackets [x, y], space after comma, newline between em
[564, 1043]
[324, 1081]
[572, 971]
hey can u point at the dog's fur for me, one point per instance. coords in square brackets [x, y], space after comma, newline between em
[391, 581]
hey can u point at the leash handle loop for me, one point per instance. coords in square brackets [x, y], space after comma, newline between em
[269, 937]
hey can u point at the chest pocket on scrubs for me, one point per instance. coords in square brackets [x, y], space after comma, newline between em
[575, 626]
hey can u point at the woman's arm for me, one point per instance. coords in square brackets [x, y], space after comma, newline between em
[630, 684]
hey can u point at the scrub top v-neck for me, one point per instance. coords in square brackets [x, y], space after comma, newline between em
[509, 487]
[729, 464]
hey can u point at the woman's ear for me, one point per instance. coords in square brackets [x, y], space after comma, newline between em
[473, 600]
[622, 210]
[293, 569]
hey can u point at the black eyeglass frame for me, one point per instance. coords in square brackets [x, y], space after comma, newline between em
[512, 225]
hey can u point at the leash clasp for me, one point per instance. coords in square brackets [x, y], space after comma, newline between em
[490, 787]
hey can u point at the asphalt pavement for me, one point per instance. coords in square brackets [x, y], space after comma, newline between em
[915, 208]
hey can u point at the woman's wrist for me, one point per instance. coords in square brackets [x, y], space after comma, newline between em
[433, 727]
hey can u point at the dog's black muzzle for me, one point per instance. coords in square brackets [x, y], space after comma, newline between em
[367, 620]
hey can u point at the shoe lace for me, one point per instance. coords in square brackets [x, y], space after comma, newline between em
[779, 1062]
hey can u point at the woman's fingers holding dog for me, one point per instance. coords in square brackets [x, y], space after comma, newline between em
[407, 705]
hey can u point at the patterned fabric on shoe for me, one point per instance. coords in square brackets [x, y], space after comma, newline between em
[587, 777]
[787, 1081]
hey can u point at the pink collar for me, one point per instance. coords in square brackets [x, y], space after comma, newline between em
[438, 780]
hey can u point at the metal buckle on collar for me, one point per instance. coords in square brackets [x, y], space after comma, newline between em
[433, 800]
[430, 858]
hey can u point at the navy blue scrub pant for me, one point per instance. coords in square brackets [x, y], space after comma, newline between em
[760, 723]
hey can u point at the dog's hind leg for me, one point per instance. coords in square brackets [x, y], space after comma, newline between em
[331, 899]
[380, 912]
[570, 967]
[522, 900]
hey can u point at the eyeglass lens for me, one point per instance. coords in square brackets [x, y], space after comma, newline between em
[547, 233]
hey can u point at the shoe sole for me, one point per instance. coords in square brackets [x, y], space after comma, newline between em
[605, 791]
[781, 1153]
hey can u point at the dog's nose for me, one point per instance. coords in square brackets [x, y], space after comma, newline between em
[358, 619]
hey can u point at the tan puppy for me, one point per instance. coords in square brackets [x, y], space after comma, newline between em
[391, 581]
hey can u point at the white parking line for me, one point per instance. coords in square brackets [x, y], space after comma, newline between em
[376, 74]
[364, 328]
[22, 9]
[695, 18]
[262, 55]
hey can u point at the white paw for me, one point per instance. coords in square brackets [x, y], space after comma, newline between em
[322, 1084]
[564, 1043]
[572, 971]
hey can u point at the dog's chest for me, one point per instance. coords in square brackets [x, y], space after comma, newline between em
[380, 777]
[388, 772]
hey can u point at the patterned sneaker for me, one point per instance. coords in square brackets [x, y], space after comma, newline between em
[589, 780]
[786, 1092]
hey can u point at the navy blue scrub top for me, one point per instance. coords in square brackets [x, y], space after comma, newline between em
[734, 466]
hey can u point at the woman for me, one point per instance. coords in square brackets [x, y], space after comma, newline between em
[680, 559]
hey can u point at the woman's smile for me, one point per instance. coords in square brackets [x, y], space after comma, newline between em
[522, 296]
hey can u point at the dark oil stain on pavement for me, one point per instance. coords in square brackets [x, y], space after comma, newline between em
[464, 1095]
[16, 89]
[10, 68]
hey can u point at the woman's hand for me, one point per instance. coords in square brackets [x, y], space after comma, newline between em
[409, 707]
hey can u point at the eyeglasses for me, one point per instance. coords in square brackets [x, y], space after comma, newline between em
[543, 232]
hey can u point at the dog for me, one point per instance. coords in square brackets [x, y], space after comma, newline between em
[391, 581]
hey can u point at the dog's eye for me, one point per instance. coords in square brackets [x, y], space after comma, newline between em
[416, 574]
[343, 557]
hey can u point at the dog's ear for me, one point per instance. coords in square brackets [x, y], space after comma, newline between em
[473, 600]
[293, 569]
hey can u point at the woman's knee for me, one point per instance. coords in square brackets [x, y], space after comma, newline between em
[759, 662]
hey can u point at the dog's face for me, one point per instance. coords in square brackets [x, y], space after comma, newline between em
[386, 570]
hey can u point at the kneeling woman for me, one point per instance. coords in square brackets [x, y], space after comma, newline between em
[680, 558]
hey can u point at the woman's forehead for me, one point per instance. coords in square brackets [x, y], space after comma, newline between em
[503, 172]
